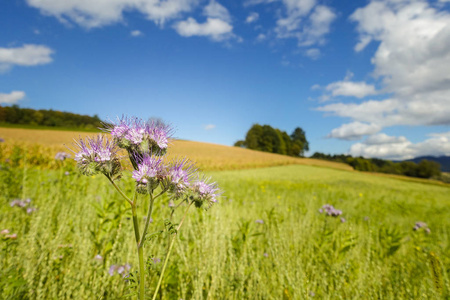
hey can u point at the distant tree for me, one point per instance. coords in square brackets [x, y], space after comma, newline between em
[428, 169]
[240, 144]
[299, 142]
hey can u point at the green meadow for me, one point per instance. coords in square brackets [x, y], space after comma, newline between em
[264, 239]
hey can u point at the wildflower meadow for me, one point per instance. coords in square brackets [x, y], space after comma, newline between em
[290, 231]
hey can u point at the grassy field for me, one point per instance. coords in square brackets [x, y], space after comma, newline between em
[265, 239]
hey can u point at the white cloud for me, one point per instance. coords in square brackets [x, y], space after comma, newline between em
[136, 33]
[411, 61]
[261, 37]
[12, 98]
[313, 53]
[351, 89]
[353, 131]
[217, 25]
[216, 10]
[399, 148]
[209, 127]
[216, 29]
[27, 55]
[252, 17]
[98, 13]
[305, 21]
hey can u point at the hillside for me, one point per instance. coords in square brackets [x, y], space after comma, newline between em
[207, 156]
[444, 161]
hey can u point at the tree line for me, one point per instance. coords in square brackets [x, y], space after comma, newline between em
[27, 116]
[268, 139]
[423, 169]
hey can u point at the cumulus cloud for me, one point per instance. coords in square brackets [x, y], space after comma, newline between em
[209, 127]
[92, 14]
[216, 29]
[400, 148]
[27, 55]
[351, 89]
[252, 17]
[136, 33]
[217, 25]
[216, 10]
[304, 20]
[11, 98]
[354, 131]
[411, 62]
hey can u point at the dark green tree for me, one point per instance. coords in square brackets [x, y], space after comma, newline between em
[299, 142]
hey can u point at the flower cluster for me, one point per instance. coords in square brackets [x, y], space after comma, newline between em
[330, 210]
[6, 235]
[204, 192]
[62, 156]
[141, 137]
[150, 171]
[98, 155]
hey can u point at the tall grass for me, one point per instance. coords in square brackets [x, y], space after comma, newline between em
[292, 252]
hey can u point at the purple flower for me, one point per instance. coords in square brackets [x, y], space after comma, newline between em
[202, 191]
[19, 203]
[259, 221]
[4, 231]
[343, 220]
[62, 156]
[266, 254]
[139, 136]
[330, 210]
[171, 203]
[11, 236]
[423, 225]
[2, 140]
[119, 269]
[179, 177]
[31, 210]
[156, 260]
[97, 154]
[150, 171]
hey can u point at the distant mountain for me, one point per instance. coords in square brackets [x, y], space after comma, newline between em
[444, 161]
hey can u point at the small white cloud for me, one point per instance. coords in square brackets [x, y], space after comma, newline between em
[12, 98]
[382, 138]
[136, 33]
[315, 87]
[209, 127]
[353, 131]
[261, 37]
[216, 29]
[27, 55]
[216, 10]
[351, 89]
[313, 53]
[252, 17]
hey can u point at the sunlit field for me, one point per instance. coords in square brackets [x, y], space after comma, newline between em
[264, 239]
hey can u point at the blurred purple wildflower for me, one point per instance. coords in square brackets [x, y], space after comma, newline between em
[119, 269]
[423, 225]
[98, 257]
[343, 220]
[2, 140]
[171, 203]
[11, 236]
[62, 156]
[259, 221]
[330, 210]
[156, 260]
[266, 254]
[4, 231]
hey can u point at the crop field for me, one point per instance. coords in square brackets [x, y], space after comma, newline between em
[269, 236]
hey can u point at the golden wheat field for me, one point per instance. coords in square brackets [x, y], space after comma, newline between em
[207, 156]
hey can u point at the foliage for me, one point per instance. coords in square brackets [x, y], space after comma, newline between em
[424, 169]
[27, 116]
[268, 139]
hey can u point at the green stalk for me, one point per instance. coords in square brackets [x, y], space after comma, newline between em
[172, 242]
[120, 191]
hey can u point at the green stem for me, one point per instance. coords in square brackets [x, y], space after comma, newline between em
[172, 242]
[140, 254]
[120, 191]
[147, 222]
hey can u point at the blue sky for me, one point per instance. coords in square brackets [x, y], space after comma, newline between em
[367, 78]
